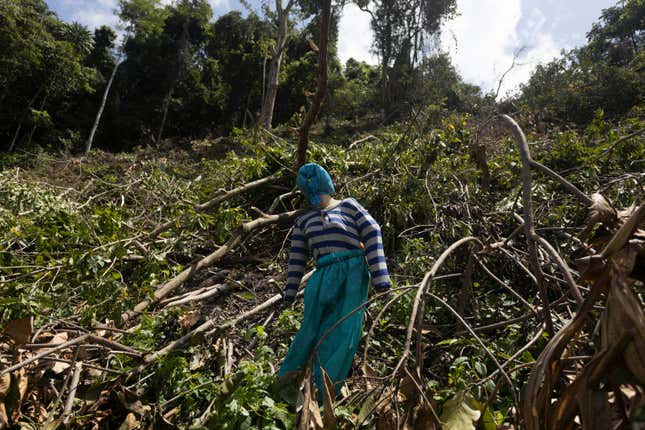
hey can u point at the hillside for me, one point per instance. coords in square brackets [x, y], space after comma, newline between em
[80, 253]
[148, 201]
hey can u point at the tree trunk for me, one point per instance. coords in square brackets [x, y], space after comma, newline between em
[384, 103]
[183, 45]
[33, 129]
[268, 102]
[312, 114]
[272, 91]
[166, 104]
[12, 145]
[88, 146]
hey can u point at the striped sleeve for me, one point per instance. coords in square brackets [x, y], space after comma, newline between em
[370, 233]
[297, 261]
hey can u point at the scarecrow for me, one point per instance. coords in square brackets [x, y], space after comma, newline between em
[347, 245]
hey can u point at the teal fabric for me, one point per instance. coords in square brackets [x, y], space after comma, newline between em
[338, 285]
[313, 180]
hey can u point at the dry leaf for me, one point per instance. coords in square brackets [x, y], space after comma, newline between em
[58, 367]
[329, 394]
[188, 320]
[310, 417]
[316, 419]
[21, 382]
[369, 373]
[458, 414]
[408, 388]
[59, 338]
[425, 419]
[5, 383]
[20, 330]
[129, 423]
[4, 419]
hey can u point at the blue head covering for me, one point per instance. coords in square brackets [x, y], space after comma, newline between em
[314, 180]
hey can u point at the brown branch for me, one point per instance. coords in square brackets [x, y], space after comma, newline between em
[566, 184]
[271, 219]
[213, 291]
[421, 290]
[280, 199]
[216, 201]
[529, 227]
[209, 327]
[618, 142]
[566, 271]
[355, 143]
[488, 351]
[76, 376]
[321, 90]
[37, 357]
[506, 286]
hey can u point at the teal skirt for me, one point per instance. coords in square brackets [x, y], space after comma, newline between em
[338, 285]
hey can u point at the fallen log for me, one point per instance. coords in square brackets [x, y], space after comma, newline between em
[207, 261]
[216, 201]
[90, 338]
[182, 277]
[213, 291]
[210, 327]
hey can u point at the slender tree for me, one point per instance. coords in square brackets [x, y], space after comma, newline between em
[399, 29]
[268, 104]
[321, 89]
[99, 114]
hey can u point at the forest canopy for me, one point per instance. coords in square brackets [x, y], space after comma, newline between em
[184, 73]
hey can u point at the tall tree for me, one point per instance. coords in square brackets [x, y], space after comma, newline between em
[277, 51]
[41, 68]
[185, 31]
[99, 34]
[401, 27]
[235, 50]
[321, 88]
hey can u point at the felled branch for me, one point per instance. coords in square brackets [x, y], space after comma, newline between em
[207, 261]
[209, 327]
[210, 292]
[216, 201]
[355, 143]
[529, 227]
[88, 337]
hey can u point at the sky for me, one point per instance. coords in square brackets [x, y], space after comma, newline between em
[481, 40]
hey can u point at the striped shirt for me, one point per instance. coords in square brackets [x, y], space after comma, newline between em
[345, 226]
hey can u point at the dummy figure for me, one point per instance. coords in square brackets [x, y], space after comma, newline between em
[346, 243]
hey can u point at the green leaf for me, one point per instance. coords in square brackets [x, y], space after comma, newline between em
[447, 342]
[487, 422]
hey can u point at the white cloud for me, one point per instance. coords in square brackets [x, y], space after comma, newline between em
[95, 18]
[483, 39]
[355, 36]
[220, 4]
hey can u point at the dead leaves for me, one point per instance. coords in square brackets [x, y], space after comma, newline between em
[5, 383]
[595, 396]
[19, 330]
[329, 394]
[307, 406]
[13, 388]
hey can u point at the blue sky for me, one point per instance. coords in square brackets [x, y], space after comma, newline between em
[481, 40]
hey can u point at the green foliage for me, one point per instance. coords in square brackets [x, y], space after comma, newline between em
[244, 400]
[42, 73]
[604, 74]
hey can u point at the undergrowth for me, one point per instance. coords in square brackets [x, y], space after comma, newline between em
[73, 236]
